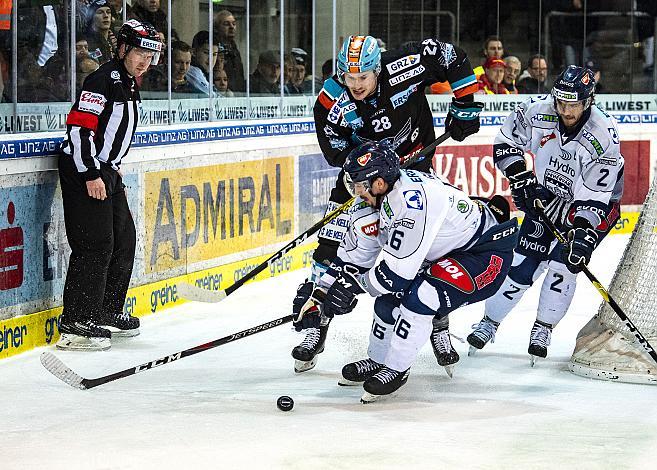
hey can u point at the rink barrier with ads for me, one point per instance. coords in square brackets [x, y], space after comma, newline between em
[214, 202]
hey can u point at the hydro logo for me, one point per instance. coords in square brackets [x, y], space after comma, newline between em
[532, 246]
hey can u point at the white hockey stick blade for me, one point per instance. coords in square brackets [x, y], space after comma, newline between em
[57, 368]
[198, 294]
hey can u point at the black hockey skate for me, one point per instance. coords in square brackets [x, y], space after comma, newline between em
[358, 372]
[82, 335]
[384, 382]
[122, 325]
[539, 340]
[482, 333]
[445, 353]
[305, 354]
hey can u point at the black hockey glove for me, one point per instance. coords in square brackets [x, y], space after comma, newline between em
[524, 188]
[463, 119]
[582, 240]
[341, 296]
[307, 305]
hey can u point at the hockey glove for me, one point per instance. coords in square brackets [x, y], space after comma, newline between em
[463, 119]
[524, 190]
[307, 306]
[581, 242]
[341, 296]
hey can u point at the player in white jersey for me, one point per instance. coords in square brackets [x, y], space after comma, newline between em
[438, 250]
[578, 174]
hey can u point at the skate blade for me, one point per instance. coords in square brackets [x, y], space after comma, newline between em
[303, 366]
[472, 351]
[68, 342]
[348, 383]
[532, 360]
[116, 333]
[367, 398]
[450, 370]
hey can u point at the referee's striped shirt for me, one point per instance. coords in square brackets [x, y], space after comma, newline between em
[102, 122]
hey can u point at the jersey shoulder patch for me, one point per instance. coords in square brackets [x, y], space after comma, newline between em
[540, 112]
[600, 137]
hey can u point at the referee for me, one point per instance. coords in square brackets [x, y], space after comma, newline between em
[99, 225]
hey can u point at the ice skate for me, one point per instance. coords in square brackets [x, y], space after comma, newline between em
[83, 335]
[121, 325]
[539, 340]
[305, 354]
[355, 373]
[385, 382]
[483, 332]
[445, 353]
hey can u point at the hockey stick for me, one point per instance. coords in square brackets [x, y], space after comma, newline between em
[603, 292]
[192, 292]
[60, 370]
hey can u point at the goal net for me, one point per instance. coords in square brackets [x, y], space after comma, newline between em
[605, 348]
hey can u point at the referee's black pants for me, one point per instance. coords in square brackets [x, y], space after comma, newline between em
[102, 238]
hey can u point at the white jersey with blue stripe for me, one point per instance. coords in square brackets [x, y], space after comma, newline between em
[422, 218]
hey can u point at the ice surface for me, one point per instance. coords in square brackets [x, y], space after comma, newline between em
[218, 409]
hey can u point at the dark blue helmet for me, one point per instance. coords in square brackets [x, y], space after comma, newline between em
[372, 160]
[574, 84]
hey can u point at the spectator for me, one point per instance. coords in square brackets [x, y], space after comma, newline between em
[181, 60]
[81, 48]
[225, 27]
[100, 38]
[595, 68]
[202, 60]
[268, 71]
[493, 48]
[117, 14]
[149, 11]
[84, 67]
[221, 83]
[491, 82]
[327, 71]
[511, 73]
[294, 80]
[535, 80]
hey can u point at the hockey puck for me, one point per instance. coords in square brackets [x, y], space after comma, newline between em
[285, 403]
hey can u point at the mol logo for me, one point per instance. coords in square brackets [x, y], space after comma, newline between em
[363, 159]
[371, 229]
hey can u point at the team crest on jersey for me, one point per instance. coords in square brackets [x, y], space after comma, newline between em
[414, 199]
[453, 273]
[546, 139]
[363, 159]
[115, 75]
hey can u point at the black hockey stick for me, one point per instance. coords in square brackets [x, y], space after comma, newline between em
[60, 370]
[561, 238]
[193, 292]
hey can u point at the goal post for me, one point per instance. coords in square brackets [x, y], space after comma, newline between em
[605, 348]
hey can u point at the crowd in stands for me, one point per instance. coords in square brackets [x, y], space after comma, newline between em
[198, 69]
